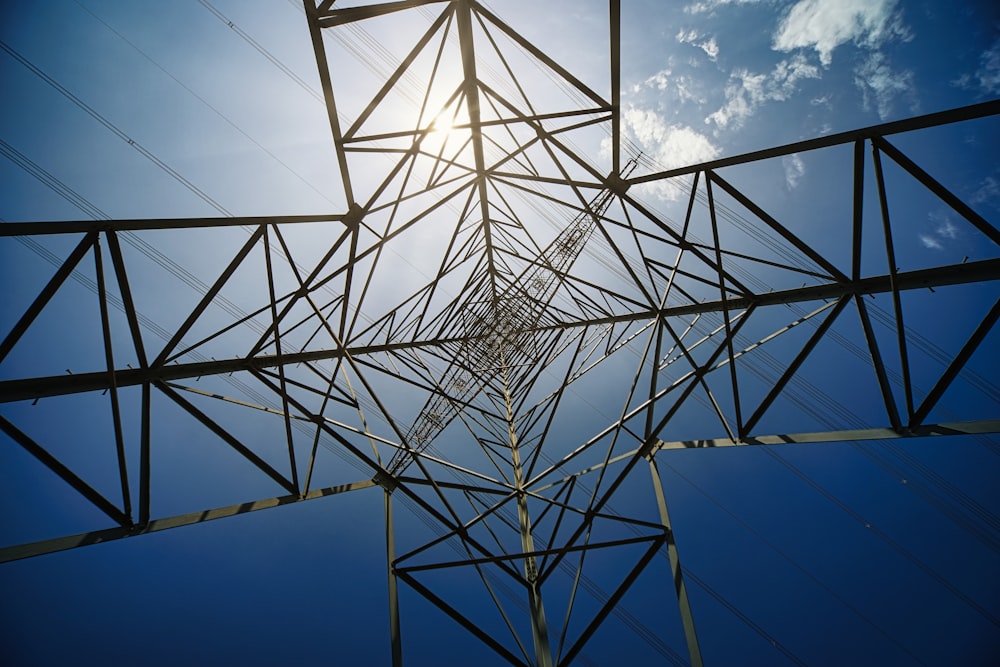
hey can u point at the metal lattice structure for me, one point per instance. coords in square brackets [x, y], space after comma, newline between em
[543, 291]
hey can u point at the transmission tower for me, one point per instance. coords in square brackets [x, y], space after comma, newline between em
[555, 341]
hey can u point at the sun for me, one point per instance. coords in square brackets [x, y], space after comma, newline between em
[448, 131]
[437, 134]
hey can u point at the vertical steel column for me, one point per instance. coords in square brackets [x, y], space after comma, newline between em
[539, 628]
[687, 619]
[390, 553]
[616, 84]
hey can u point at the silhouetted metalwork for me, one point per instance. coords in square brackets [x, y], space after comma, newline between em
[515, 316]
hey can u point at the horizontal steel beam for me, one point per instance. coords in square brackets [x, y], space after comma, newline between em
[590, 546]
[53, 545]
[144, 224]
[941, 276]
[982, 110]
[958, 115]
[59, 385]
[982, 427]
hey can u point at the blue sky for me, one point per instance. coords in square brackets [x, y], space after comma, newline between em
[734, 69]
[825, 554]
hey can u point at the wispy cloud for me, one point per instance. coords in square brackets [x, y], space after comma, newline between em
[930, 242]
[745, 91]
[687, 36]
[710, 46]
[944, 231]
[987, 192]
[987, 77]
[795, 169]
[947, 230]
[880, 85]
[823, 25]
[681, 87]
[704, 6]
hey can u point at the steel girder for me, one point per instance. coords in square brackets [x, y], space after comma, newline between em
[337, 354]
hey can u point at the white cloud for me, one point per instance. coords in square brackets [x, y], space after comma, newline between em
[687, 89]
[684, 88]
[668, 144]
[704, 6]
[824, 25]
[947, 230]
[687, 36]
[746, 91]
[671, 145]
[788, 73]
[880, 85]
[795, 169]
[660, 80]
[710, 46]
[988, 191]
[987, 77]
[930, 242]
[944, 231]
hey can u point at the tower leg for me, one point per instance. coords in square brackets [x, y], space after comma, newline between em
[390, 552]
[687, 619]
[539, 627]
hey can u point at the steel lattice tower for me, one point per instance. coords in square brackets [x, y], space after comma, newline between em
[477, 396]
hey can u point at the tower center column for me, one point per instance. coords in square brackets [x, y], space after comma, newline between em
[539, 628]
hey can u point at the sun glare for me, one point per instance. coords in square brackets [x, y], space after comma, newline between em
[447, 131]
[437, 135]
